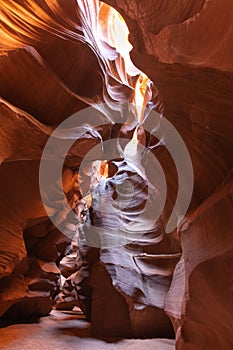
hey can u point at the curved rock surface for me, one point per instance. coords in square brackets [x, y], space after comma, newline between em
[58, 57]
[187, 53]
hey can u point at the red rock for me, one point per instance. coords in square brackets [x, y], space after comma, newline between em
[48, 72]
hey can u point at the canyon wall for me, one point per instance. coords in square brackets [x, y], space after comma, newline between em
[48, 72]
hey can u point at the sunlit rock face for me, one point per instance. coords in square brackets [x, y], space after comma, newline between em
[135, 263]
[186, 48]
[60, 57]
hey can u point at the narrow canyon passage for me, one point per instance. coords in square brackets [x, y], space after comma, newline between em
[116, 174]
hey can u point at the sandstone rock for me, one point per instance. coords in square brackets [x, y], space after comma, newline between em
[51, 68]
[199, 300]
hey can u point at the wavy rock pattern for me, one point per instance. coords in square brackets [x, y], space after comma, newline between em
[52, 64]
[187, 53]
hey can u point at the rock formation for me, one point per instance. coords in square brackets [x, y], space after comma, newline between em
[187, 54]
[56, 59]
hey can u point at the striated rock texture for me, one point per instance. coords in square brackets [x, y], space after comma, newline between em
[200, 298]
[57, 58]
[69, 266]
[185, 47]
[126, 267]
[31, 247]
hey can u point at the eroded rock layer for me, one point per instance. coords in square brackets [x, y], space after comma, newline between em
[57, 58]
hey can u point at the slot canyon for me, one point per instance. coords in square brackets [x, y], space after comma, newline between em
[116, 156]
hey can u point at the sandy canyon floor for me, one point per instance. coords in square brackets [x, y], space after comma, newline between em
[67, 330]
